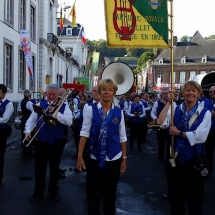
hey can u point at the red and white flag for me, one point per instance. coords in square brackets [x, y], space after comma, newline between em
[84, 40]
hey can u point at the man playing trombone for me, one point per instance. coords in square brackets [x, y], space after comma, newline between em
[48, 147]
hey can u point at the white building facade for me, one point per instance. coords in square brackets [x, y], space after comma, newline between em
[17, 15]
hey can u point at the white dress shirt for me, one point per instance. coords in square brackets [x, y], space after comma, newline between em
[87, 123]
[200, 134]
[65, 118]
[8, 112]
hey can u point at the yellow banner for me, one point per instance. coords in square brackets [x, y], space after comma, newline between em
[126, 27]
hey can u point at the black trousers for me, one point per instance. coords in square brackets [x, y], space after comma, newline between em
[45, 154]
[26, 151]
[102, 185]
[185, 186]
[144, 128]
[209, 149]
[3, 141]
[163, 137]
[136, 131]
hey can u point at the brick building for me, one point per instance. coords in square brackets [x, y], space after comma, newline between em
[197, 56]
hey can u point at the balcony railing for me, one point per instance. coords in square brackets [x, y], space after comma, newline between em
[51, 38]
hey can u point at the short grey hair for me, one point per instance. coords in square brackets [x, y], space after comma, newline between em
[53, 86]
[27, 92]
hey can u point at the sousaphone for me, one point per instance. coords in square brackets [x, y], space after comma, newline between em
[122, 74]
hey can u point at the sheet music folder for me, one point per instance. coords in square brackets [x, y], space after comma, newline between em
[39, 110]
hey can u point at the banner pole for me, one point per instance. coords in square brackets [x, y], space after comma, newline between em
[172, 74]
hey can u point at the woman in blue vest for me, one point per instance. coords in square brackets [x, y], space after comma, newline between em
[191, 127]
[103, 130]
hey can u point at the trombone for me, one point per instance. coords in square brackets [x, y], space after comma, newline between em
[49, 119]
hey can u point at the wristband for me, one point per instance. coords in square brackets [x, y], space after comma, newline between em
[125, 157]
[180, 134]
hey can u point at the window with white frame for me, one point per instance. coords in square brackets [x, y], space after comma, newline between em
[192, 75]
[204, 60]
[33, 23]
[9, 14]
[31, 82]
[183, 60]
[21, 14]
[8, 59]
[69, 31]
[202, 72]
[22, 73]
[182, 77]
[161, 61]
[160, 75]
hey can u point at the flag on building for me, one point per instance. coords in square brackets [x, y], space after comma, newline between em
[139, 23]
[26, 47]
[73, 14]
[61, 19]
[84, 40]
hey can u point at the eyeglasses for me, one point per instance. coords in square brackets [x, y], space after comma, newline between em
[107, 90]
[213, 91]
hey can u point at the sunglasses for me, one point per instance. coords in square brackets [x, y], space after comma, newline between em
[212, 91]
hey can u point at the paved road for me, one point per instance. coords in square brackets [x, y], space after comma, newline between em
[139, 192]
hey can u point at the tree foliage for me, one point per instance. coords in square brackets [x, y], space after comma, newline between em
[184, 38]
[211, 37]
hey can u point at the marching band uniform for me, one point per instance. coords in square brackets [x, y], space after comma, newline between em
[162, 134]
[145, 119]
[26, 108]
[48, 149]
[183, 182]
[102, 180]
[136, 124]
[6, 110]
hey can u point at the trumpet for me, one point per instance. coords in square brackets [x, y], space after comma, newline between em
[154, 125]
[49, 119]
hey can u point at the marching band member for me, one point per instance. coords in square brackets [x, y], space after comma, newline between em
[192, 123]
[49, 144]
[26, 107]
[76, 100]
[136, 112]
[104, 130]
[6, 110]
[162, 134]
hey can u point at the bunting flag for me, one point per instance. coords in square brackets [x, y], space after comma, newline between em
[61, 20]
[137, 23]
[26, 47]
[73, 14]
[95, 62]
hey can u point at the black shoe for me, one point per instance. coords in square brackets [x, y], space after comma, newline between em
[55, 197]
[61, 176]
[62, 171]
[36, 197]
[28, 156]
[130, 149]
[166, 198]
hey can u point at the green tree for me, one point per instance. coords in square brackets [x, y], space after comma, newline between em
[184, 38]
[144, 58]
[211, 37]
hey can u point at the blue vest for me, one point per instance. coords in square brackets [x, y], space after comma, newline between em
[208, 104]
[2, 110]
[78, 99]
[187, 153]
[145, 105]
[113, 141]
[160, 108]
[139, 109]
[79, 121]
[121, 104]
[49, 133]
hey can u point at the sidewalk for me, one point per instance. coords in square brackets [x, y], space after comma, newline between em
[15, 136]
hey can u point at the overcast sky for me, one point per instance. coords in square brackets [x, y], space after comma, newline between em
[189, 16]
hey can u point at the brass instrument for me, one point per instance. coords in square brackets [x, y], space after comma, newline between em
[49, 119]
[154, 125]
